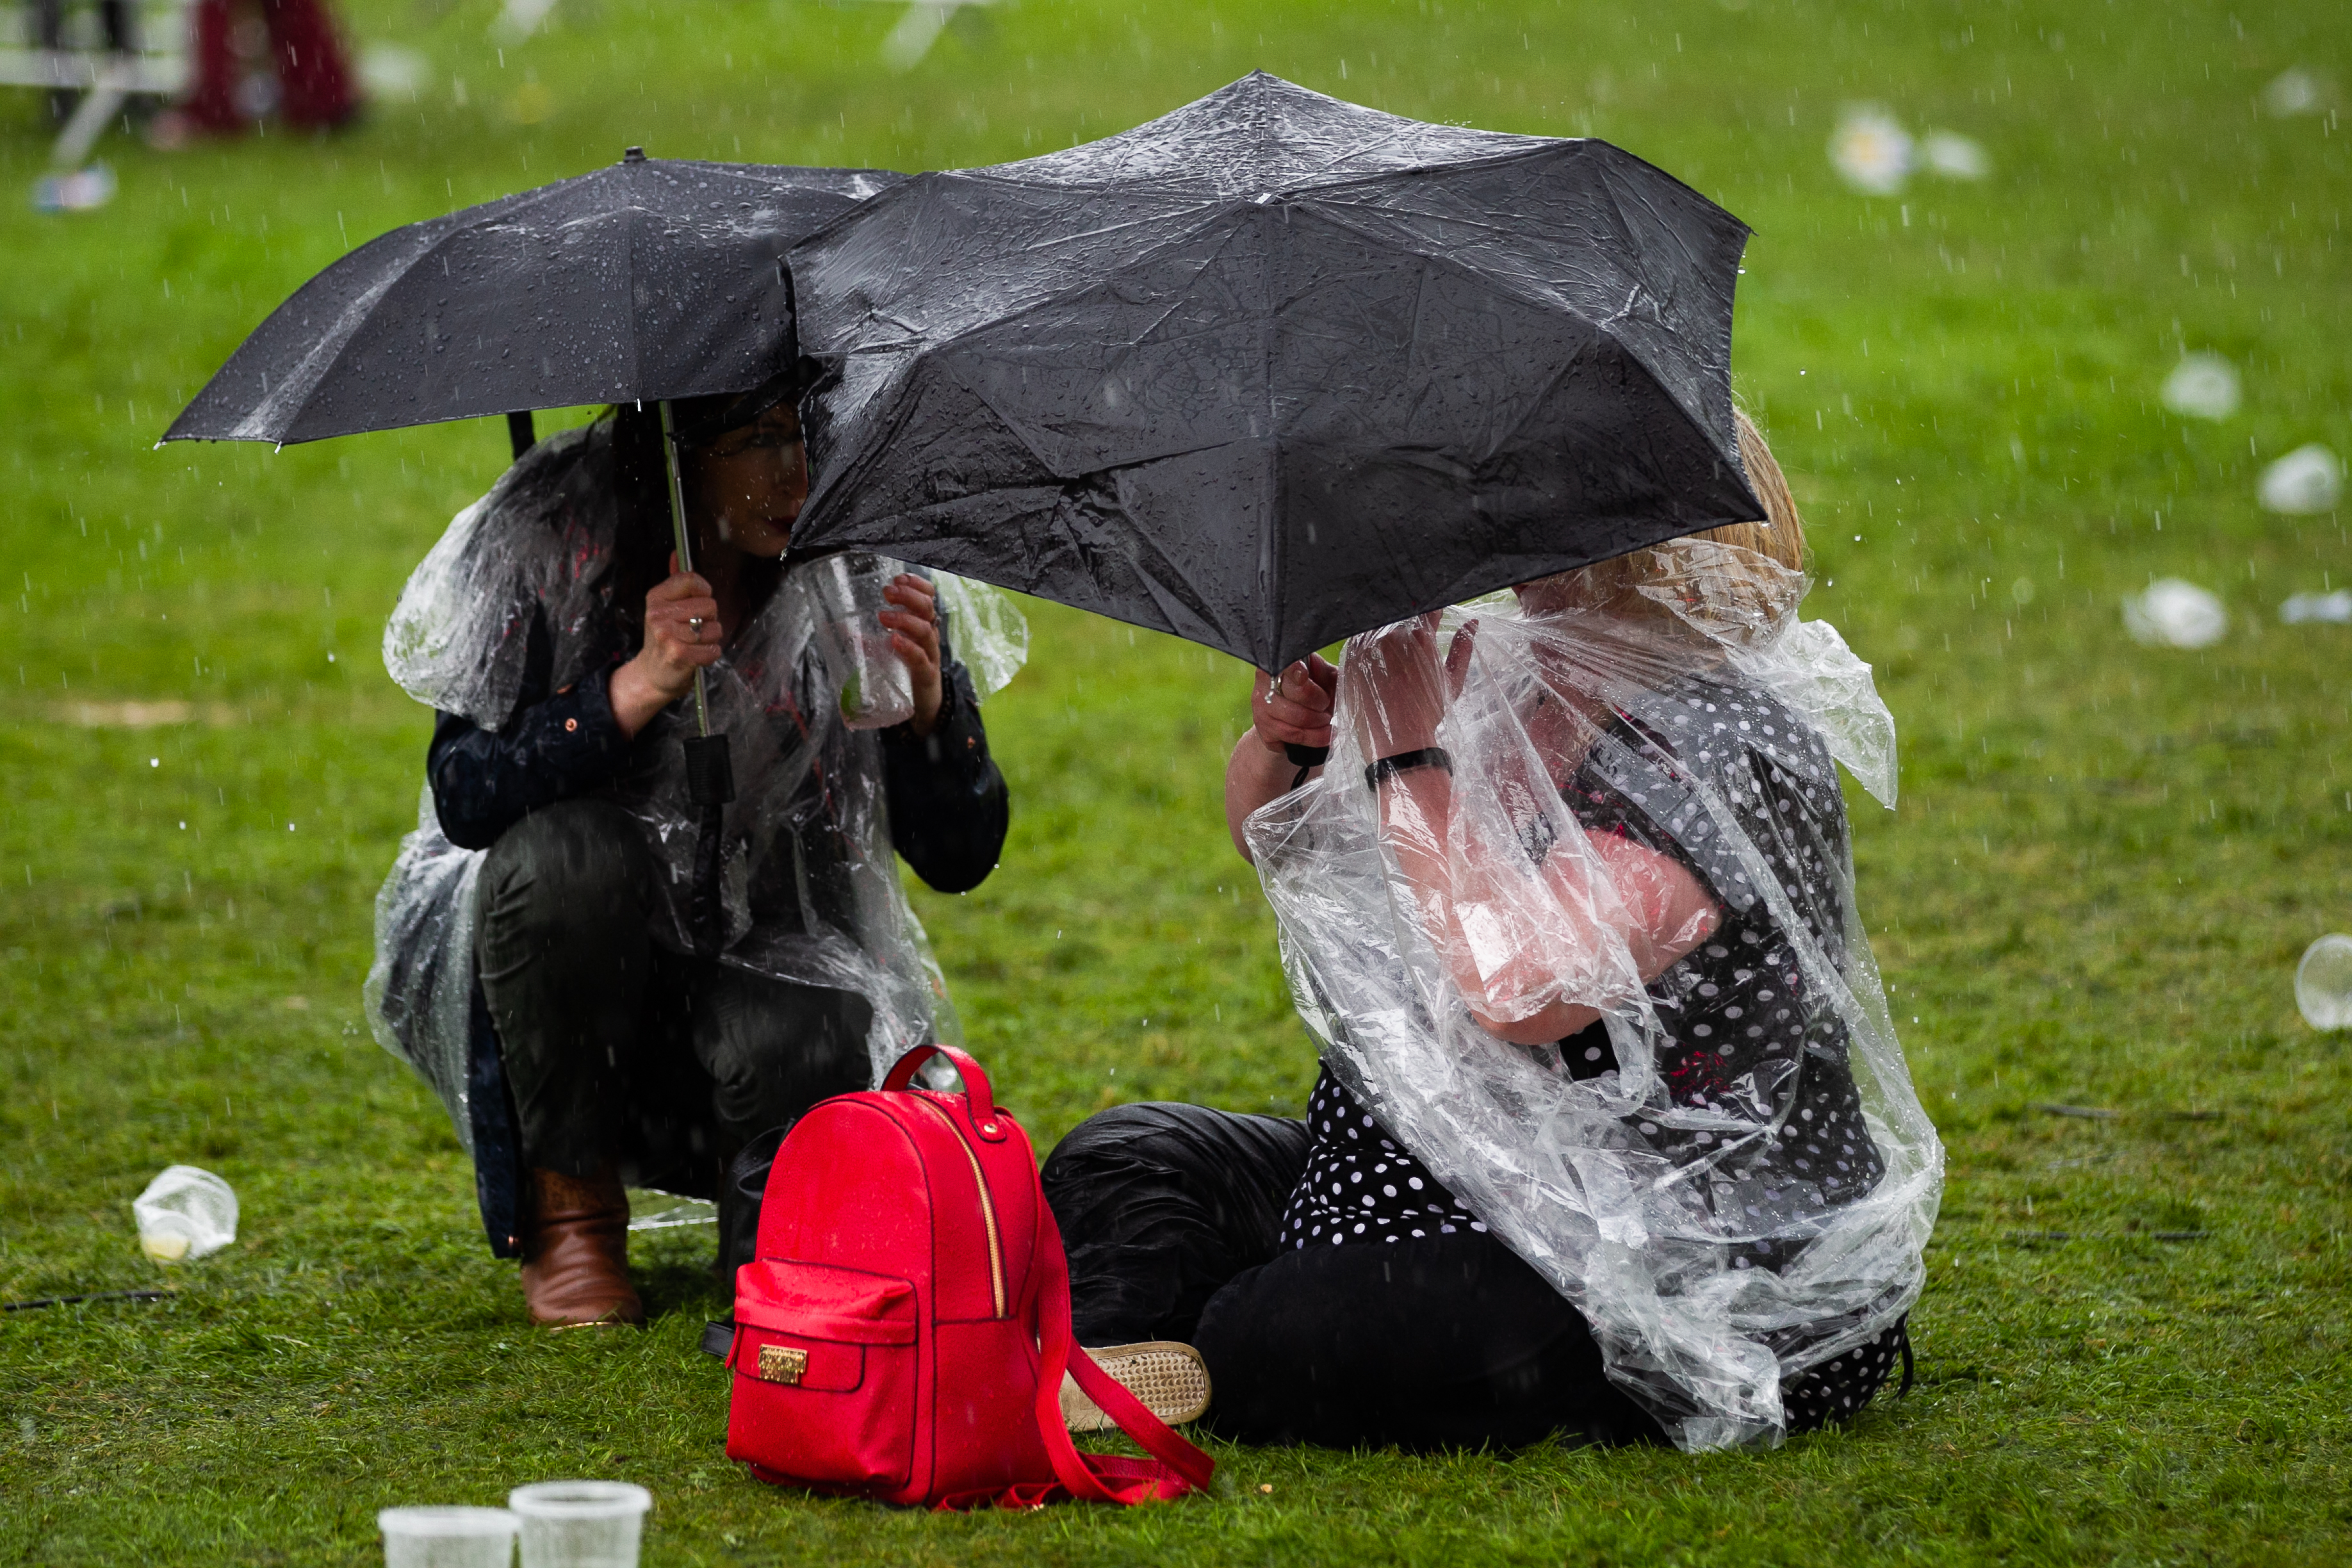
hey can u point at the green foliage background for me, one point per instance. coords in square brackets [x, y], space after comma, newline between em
[2106, 861]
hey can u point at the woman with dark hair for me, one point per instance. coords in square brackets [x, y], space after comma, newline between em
[541, 957]
[1613, 1136]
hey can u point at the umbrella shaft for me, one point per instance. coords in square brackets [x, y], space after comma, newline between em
[678, 531]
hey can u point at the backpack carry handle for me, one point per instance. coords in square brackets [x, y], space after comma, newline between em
[980, 1100]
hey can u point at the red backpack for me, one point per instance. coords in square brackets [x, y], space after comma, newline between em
[903, 1332]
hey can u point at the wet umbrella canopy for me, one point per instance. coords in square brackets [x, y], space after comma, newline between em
[1274, 368]
[649, 279]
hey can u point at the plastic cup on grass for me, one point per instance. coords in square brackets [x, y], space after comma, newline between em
[581, 1524]
[447, 1537]
[2322, 983]
[185, 1214]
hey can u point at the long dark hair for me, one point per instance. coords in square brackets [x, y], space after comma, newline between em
[642, 542]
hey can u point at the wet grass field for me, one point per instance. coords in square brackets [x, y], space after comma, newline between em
[2131, 1346]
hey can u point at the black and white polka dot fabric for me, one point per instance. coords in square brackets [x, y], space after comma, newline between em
[1837, 1389]
[1746, 1035]
[1360, 1184]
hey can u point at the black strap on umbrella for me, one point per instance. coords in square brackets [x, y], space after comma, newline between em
[1309, 759]
[709, 774]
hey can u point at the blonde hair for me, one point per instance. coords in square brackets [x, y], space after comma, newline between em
[1646, 584]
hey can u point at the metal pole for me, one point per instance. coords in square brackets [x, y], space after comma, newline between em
[685, 547]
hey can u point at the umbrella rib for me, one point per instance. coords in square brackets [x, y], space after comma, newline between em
[629, 296]
[300, 383]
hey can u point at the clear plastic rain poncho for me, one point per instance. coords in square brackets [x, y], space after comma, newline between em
[809, 881]
[1746, 1191]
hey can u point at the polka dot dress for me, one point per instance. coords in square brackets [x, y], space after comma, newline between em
[1360, 1184]
[1747, 1034]
[1837, 1389]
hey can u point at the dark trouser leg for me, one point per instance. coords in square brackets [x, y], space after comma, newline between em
[1161, 1205]
[559, 939]
[773, 1050]
[1447, 1342]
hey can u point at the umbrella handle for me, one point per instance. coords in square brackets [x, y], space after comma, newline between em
[1304, 757]
[684, 545]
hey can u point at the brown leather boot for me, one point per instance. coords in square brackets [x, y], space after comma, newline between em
[575, 1272]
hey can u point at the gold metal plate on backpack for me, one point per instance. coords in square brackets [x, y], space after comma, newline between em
[782, 1363]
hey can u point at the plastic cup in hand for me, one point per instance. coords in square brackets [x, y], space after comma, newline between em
[581, 1524]
[2322, 983]
[447, 1537]
[875, 689]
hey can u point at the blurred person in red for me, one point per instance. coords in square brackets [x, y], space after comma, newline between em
[254, 58]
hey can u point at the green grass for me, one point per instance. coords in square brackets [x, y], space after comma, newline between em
[2105, 865]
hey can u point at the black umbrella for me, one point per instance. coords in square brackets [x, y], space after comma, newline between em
[649, 280]
[1274, 369]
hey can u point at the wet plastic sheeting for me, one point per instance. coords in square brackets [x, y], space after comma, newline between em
[657, 279]
[1274, 368]
[1746, 1191]
[809, 880]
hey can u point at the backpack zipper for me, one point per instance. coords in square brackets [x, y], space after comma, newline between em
[987, 1209]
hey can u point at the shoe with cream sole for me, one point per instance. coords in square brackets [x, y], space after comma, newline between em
[1168, 1377]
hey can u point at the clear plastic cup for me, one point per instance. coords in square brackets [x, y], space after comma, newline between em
[875, 689]
[447, 1537]
[2322, 983]
[581, 1524]
[185, 1214]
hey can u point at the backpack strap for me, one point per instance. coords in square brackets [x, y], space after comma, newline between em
[1176, 1467]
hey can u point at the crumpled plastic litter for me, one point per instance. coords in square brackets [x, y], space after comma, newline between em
[1955, 156]
[2323, 610]
[809, 882]
[2322, 983]
[186, 1214]
[2294, 91]
[2170, 613]
[1871, 151]
[74, 190]
[2307, 481]
[1684, 1199]
[2203, 385]
[1876, 155]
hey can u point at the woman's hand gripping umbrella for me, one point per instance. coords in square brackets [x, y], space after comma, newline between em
[646, 281]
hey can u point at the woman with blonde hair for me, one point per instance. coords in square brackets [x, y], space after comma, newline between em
[1612, 1135]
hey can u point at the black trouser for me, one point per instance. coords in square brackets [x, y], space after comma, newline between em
[1170, 1214]
[613, 1045]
